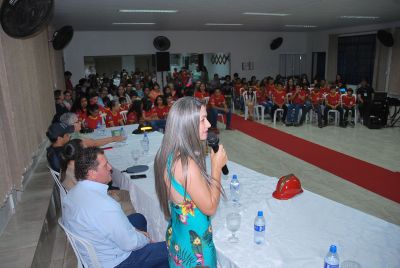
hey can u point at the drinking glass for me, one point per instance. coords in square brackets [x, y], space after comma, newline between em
[233, 224]
[135, 155]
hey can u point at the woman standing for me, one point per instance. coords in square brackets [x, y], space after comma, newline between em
[188, 196]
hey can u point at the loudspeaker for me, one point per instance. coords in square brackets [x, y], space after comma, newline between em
[62, 37]
[201, 60]
[162, 60]
[385, 38]
[276, 43]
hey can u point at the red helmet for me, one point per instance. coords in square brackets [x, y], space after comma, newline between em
[287, 187]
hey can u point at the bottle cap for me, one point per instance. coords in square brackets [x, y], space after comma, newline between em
[234, 177]
[260, 213]
[332, 249]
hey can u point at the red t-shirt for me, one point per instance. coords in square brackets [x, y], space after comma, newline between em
[124, 107]
[113, 119]
[333, 100]
[131, 118]
[261, 96]
[270, 89]
[299, 98]
[81, 115]
[237, 88]
[200, 95]
[316, 96]
[349, 101]
[325, 90]
[279, 97]
[217, 101]
[162, 113]
[92, 122]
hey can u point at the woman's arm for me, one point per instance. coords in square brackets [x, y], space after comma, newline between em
[101, 142]
[206, 197]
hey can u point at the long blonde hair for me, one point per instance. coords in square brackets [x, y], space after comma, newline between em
[181, 142]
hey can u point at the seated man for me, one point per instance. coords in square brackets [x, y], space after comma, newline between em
[89, 212]
[332, 102]
[58, 134]
[218, 106]
[298, 99]
[279, 101]
[349, 104]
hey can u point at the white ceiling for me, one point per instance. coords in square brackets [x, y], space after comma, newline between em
[193, 14]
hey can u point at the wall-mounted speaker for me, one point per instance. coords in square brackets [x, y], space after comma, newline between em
[62, 37]
[276, 43]
[162, 61]
[385, 38]
[23, 18]
[161, 43]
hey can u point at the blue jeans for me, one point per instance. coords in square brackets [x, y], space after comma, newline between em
[157, 124]
[292, 118]
[214, 117]
[152, 255]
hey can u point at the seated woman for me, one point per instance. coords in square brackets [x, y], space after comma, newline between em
[149, 115]
[161, 108]
[201, 92]
[80, 107]
[134, 113]
[114, 117]
[93, 117]
[155, 92]
[250, 99]
[68, 179]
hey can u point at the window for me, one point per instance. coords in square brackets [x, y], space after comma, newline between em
[356, 55]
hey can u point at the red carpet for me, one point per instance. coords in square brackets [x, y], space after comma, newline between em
[374, 178]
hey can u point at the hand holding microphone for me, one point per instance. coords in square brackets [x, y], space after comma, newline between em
[213, 140]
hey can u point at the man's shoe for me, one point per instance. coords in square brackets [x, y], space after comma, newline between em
[289, 124]
[320, 125]
[228, 128]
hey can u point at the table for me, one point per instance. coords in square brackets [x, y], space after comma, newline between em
[299, 231]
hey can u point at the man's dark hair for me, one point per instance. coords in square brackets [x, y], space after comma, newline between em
[57, 94]
[67, 73]
[86, 159]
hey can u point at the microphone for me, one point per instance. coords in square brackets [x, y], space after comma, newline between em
[213, 140]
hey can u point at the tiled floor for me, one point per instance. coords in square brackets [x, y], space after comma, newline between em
[381, 147]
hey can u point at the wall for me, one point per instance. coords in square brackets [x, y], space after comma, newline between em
[243, 46]
[29, 69]
[213, 68]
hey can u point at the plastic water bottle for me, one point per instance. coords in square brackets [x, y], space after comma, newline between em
[332, 258]
[259, 228]
[235, 189]
[98, 128]
[145, 143]
[123, 134]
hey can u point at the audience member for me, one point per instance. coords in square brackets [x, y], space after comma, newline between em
[58, 134]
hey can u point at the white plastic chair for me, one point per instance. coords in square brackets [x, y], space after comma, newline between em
[124, 116]
[56, 178]
[279, 110]
[257, 114]
[75, 240]
[336, 115]
[103, 118]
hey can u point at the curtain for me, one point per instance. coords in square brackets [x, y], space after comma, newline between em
[394, 77]
[29, 69]
[332, 58]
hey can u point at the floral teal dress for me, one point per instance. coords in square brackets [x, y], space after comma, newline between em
[189, 233]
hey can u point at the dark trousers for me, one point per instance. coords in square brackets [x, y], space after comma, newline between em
[339, 109]
[152, 255]
[273, 109]
[304, 110]
[157, 124]
[214, 117]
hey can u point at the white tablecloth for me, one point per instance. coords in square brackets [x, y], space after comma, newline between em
[298, 231]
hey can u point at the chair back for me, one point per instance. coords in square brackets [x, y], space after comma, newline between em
[124, 116]
[78, 244]
[56, 178]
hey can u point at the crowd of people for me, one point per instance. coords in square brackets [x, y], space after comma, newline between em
[103, 214]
